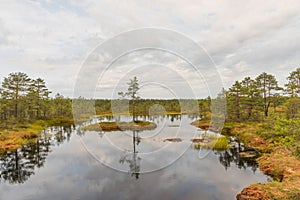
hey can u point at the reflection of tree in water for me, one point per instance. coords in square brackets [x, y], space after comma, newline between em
[174, 117]
[132, 159]
[158, 119]
[17, 166]
[232, 155]
[62, 133]
[193, 116]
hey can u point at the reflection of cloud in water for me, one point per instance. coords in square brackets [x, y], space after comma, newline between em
[115, 144]
[71, 173]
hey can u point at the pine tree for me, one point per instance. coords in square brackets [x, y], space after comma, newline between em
[15, 86]
[38, 92]
[132, 93]
[266, 84]
[293, 85]
[250, 95]
[234, 101]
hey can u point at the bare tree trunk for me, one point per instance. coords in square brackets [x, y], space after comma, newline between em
[133, 111]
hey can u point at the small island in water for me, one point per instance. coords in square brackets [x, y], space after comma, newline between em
[120, 126]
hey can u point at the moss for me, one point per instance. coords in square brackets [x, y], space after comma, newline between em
[203, 124]
[279, 164]
[120, 126]
[14, 136]
[197, 145]
[279, 157]
[19, 135]
[218, 143]
[222, 142]
[281, 190]
[108, 126]
[172, 140]
[284, 168]
[198, 140]
[227, 129]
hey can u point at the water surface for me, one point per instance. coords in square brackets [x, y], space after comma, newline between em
[66, 163]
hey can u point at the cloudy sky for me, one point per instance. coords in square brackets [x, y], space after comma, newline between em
[52, 39]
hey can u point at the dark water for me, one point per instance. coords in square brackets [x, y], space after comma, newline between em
[66, 163]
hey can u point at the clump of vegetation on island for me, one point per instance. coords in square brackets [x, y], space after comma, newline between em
[218, 143]
[172, 140]
[136, 125]
[203, 124]
[120, 126]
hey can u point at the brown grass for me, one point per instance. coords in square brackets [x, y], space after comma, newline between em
[197, 140]
[18, 136]
[203, 124]
[277, 162]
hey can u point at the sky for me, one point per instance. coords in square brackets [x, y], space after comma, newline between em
[58, 40]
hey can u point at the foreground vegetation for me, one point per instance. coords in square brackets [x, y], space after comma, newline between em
[278, 140]
[19, 135]
[16, 135]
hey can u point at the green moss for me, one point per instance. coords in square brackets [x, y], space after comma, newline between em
[221, 143]
[216, 143]
[197, 145]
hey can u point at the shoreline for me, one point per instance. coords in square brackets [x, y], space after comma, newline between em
[275, 161]
[14, 136]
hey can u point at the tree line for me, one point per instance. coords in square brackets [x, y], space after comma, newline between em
[23, 98]
[252, 99]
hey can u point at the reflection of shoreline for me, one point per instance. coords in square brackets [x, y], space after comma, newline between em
[18, 165]
[233, 156]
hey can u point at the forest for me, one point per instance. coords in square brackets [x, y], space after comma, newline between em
[24, 99]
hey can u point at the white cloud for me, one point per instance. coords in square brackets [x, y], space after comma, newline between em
[51, 38]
